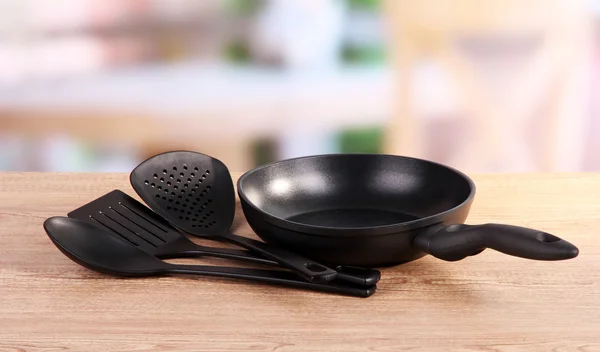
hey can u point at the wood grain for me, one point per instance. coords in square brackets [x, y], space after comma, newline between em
[490, 302]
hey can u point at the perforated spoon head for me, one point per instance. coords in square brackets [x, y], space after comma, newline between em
[191, 190]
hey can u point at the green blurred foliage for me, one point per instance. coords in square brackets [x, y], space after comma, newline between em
[371, 55]
[361, 140]
[264, 151]
[244, 7]
[238, 52]
[365, 5]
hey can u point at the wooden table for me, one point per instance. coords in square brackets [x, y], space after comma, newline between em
[490, 302]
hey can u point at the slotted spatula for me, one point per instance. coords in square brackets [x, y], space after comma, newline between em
[124, 216]
[92, 247]
[194, 192]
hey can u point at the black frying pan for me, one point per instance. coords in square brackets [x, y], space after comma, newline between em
[378, 210]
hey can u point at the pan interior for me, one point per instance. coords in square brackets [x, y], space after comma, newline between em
[354, 190]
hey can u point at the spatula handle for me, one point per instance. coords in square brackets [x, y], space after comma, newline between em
[179, 249]
[285, 278]
[188, 251]
[308, 269]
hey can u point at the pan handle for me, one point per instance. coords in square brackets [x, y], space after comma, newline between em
[455, 242]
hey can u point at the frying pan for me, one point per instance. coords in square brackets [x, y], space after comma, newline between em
[378, 210]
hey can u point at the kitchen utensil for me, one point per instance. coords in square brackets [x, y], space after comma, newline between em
[194, 192]
[94, 248]
[378, 210]
[123, 215]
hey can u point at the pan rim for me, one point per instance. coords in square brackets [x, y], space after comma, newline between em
[352, 231]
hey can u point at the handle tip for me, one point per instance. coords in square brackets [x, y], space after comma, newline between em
[370, 291]
[563, 249]
[571, 251]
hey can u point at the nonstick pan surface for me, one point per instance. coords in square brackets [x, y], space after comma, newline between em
[378, 210]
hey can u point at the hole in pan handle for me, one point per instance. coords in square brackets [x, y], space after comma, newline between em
[455, 242]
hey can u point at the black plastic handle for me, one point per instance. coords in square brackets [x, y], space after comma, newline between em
[357, 275]
[455, 242]
[183, 248]
[308, 269]
[285, 278]
[360, 276]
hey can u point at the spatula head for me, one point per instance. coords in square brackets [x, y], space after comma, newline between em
[192, 191]
[122, 215]
[94, 248]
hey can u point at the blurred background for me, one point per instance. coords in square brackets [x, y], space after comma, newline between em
[484, 86]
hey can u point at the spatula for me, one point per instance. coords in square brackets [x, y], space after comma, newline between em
[124, 216]
[94, 248]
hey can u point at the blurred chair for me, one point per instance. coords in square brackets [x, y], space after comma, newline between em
[544, 47]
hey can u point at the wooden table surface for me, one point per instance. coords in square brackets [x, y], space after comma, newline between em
[490, 302]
